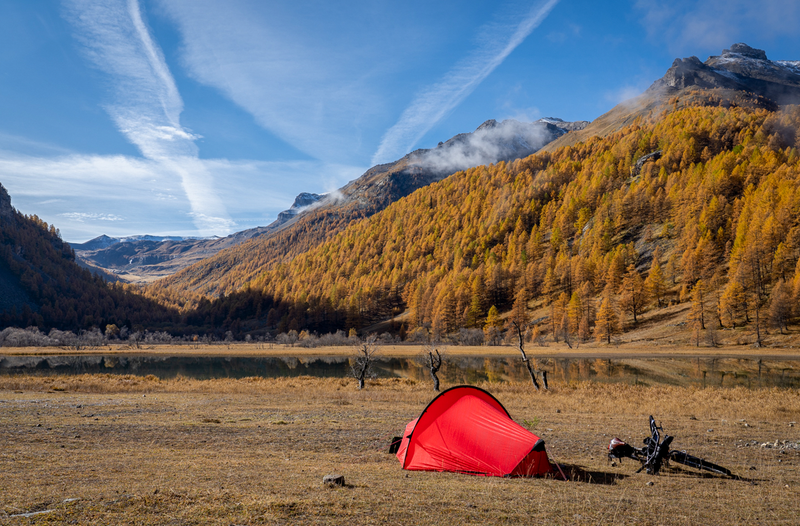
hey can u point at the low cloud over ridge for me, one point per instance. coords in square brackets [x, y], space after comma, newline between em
[490, 143]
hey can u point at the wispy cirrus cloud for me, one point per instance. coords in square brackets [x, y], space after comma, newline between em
[312, 91]
[83, 216]
[146, 104]
[497, 41]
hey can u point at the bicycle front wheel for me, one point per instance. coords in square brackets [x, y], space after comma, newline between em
[681, 457]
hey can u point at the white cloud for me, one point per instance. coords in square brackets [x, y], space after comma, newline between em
[29, 146]
[84, 191]
[686, 25]
[433, 103]
[484, 146]
[626, 92]
[83, 216]
[146, 106]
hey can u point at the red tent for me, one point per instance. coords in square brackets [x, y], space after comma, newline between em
[465, 429]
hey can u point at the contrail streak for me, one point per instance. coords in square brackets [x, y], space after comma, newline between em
[430, 106]
[147, 105]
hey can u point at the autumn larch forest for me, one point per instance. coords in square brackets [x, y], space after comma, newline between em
[691, 211]
[696, 206]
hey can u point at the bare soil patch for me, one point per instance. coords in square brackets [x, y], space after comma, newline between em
[136, 450]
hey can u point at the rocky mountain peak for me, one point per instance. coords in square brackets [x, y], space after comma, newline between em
[491, 142]
[488, 125]
[740, 68]
[745, 51]
[564, 125]
[304, 199]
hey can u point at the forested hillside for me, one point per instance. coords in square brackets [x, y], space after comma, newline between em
[708, 216]
[376, 189]
[43, 286]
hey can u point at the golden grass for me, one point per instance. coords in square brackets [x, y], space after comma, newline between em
[253, 451]
[550, 349]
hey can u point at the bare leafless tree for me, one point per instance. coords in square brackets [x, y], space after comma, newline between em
[366, 352]
[565, 328]
[759, 322]
[135, 339]
[432, 358]
[526, 360]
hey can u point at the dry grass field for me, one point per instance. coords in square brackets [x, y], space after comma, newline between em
[110, 449]
[550, 349]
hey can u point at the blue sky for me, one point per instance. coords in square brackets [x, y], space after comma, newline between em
[197, 118]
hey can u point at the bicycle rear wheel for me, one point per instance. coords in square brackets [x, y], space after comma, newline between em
[681, 457]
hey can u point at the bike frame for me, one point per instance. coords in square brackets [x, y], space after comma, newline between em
[656, 453]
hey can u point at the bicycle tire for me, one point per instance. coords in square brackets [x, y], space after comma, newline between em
[681, 457]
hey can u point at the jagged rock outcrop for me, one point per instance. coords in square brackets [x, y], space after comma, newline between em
[739, 68]
[654, 156]
[740, 76]
[490, 143]
[564, 125]
[301, 202]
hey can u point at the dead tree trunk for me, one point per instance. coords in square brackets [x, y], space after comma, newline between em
[525, 359]
[759, 342]
[361, 374]
[434, 364]
[565, 328]
[361, 367]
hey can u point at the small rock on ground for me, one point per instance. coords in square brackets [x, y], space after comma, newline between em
[333, 480]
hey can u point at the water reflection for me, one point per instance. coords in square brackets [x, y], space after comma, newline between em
[701, 372]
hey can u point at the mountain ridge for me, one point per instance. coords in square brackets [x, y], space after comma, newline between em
[676, 89]
[568, 239]
[697, 193]
[720, 80]
[143, 259]
[376, 189]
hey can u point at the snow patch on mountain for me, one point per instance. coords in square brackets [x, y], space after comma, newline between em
[725, 73]
[792, 65]
[104, 241]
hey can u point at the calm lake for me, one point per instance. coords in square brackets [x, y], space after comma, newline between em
[765, 371]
